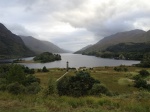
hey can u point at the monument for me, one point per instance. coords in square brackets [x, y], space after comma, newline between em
[67, 67]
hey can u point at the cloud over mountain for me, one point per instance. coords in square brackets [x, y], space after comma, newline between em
[70, 20]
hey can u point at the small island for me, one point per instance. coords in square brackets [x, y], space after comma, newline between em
[47, 57]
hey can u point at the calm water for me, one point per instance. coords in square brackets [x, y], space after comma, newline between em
[77, 60]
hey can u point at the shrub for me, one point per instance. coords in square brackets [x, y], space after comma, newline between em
[39, 70]
[140, 83]
[15, 74]
[99, 89]
[44, 69]
[3, 87]
[119, 69]
[28, 71]
[33, 88]
[145, 62]
[16, 80]
[78, 85]
[31, 79]
[15, 88]
[136, 77]
[144, 73]
[52, 87]
[63, 86]
[148, 87]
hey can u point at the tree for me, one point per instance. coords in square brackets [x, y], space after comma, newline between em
[98, 89]
[144, 73]
[146, 60]
[44, 69]
[16, 80]
[140, 83]
[78, 85]
[16, 74]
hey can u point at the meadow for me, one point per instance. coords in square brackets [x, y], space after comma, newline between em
[125, 98]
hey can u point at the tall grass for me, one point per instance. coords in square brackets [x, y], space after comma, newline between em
[129, 100]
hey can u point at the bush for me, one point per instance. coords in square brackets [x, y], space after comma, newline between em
[52, 87]
[136, 77]
[28, 71]
[146, 60]
[30, 79]
[77, 86]
[144, 73]
[15, 74]
[16, 80]
[99, 89]
[140, 83]
[63, 86]
[44, 69]
[119, 69]
[15, 88]
[33, 88]
[148, 87]
[3, 87]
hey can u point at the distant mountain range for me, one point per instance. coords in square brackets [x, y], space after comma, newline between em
[11, 45]
[135, 36]
[39, 46]
[14, 46]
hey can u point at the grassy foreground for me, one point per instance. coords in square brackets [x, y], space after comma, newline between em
[127, 98]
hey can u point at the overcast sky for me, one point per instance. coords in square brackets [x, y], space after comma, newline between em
[73, 24]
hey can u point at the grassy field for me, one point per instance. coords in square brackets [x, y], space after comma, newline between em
[127, 98]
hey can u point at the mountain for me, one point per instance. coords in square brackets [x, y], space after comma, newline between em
[39, 46]
[11, 45]
[130, 51]
[136, 36]
[81, 50]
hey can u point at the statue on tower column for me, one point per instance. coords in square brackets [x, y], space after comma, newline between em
[67, 67]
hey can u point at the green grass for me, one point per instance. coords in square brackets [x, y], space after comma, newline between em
[130, 99]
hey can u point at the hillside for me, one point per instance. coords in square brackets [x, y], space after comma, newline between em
[39, 46]
[130, 51]
[81, 50]
[136, 36]
[11, 45]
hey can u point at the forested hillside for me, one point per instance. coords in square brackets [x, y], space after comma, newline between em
[11, 45]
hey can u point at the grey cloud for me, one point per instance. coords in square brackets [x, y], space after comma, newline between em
[19, 30]
[110, 18]
[102, 18]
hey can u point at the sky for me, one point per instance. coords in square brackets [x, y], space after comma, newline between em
[73, 24]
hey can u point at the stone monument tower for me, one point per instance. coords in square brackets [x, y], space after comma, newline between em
[67, 67]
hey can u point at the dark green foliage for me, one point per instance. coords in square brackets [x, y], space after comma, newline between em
[3, 70]
[128, 51]
[15, 88]
[78, 85]
[140, 83]
[99, 89]
[16, 74]
[28, 71]
[39, 70]
[136, 77]
[3, 87]
[44, 69]
[33, 88]
[52, 87]
[148, 87]
[63, 86]
[11, 45]
[31, 79]
[121, 69]
[145, 61]
[16, 80]
[144, 73]
[47, 57]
